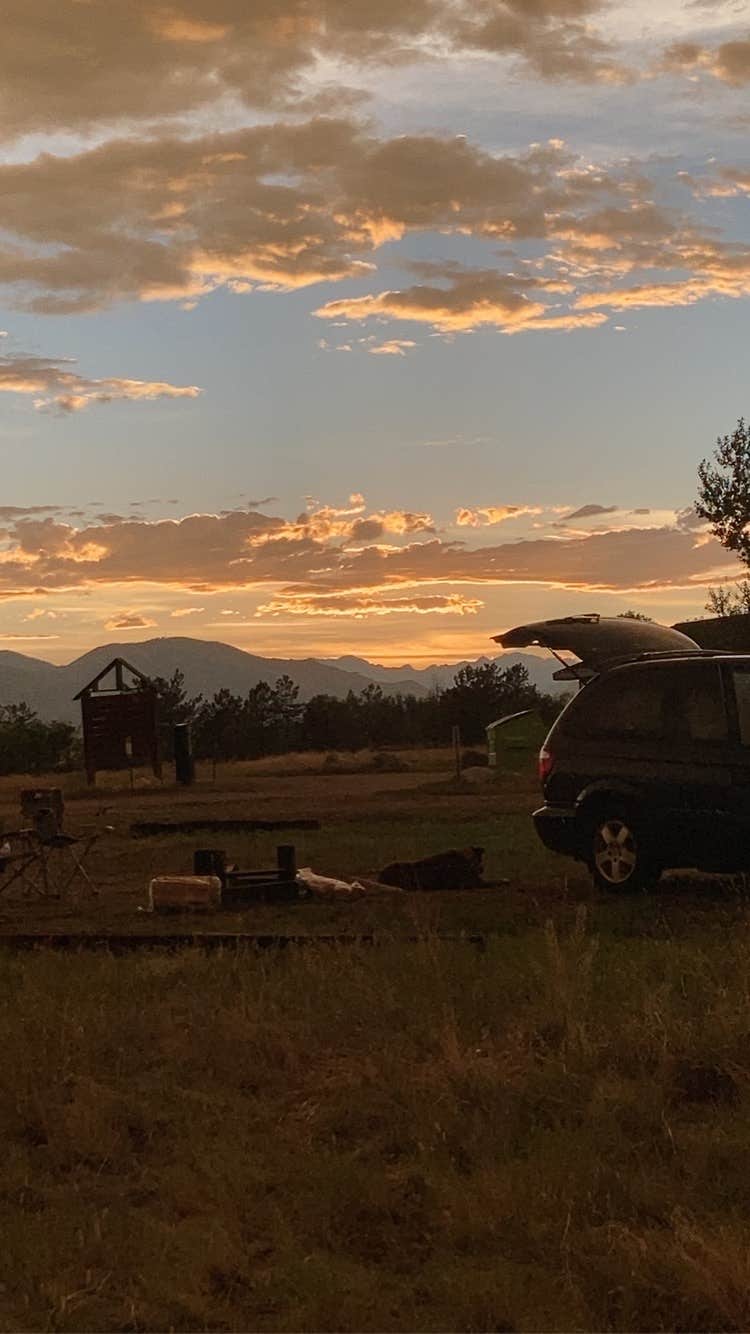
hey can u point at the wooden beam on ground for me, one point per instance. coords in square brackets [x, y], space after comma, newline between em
[152, 828]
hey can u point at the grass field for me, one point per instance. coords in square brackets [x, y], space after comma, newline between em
[548, 1134]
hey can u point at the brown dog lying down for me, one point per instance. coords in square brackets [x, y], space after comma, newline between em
[446, 870]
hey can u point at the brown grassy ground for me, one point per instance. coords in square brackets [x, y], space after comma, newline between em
[552, 1134]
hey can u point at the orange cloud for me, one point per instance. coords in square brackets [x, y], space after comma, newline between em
[128, 620]
[472, 298]
[57, 388]
[394, 347]
[488, 515]
[352, 525]
[729, 61]
[685, 293]
[341, 606]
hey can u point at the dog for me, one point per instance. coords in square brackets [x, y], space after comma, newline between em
[455, 869]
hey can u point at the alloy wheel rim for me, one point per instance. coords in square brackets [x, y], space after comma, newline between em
[615, 852]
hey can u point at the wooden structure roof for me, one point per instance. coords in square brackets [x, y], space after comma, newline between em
[119, 666]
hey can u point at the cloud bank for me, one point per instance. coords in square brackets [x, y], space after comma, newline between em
[66, 65]
[347, 560]
[285, 205]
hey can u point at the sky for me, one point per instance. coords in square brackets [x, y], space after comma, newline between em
[332, 327]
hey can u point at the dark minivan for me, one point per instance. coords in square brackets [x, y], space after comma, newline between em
[648, 767]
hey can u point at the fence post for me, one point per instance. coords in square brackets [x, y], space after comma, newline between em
[456, 741]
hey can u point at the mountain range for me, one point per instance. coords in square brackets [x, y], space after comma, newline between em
[209, 666]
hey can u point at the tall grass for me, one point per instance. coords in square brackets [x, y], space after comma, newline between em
[549, 1135]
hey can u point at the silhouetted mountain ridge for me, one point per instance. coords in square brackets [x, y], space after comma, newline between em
[441, 675]
[209, 665]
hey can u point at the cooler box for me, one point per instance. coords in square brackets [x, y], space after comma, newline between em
[184, 893]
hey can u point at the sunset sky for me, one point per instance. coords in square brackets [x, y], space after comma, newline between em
[343, 327]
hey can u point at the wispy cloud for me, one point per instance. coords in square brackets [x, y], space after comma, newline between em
[338, 606]
[486, 516]
[54, 387]
[393, 347]
[469, 299]
[129, 620]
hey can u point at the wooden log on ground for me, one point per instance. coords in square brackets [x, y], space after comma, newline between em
[152, 828]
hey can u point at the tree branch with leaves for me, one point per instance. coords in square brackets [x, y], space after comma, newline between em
[724, 502]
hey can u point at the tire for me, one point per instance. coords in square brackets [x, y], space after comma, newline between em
[619, 856]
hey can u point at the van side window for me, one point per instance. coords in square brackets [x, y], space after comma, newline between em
[682, 702]
[704, 703]
[742, 695]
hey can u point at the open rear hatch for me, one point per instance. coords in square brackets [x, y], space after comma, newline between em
[595, 640]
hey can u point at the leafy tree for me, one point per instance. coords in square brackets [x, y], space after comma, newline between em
[28, 745]
[284, 713]
[327, 723]
[633, 616]
[258, 719]
[724, 501]
[730, 601]
[173, 705]
[483, 692]
[724, 491]
[218, 728]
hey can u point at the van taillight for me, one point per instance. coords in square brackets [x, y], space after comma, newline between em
[546, 762]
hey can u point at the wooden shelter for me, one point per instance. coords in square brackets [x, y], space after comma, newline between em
[730, 634]
[119, 715]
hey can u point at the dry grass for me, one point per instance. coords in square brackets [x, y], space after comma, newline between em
[551, 1135]
[237, 775]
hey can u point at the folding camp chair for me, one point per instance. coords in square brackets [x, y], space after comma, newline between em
[45, 867]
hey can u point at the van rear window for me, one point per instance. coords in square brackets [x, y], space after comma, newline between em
[681, 702]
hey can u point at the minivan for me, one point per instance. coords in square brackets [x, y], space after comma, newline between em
[648, 765]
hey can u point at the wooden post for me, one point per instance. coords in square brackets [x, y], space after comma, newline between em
[456, 740]
[184, 767]
[286, 861]
[210, 861]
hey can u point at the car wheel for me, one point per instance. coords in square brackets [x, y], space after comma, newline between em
[619, 857]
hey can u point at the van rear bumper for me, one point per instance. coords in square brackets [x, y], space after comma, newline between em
[559, 829]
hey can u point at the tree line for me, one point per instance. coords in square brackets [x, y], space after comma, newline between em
[271, 719]
[30, 746]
